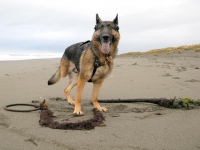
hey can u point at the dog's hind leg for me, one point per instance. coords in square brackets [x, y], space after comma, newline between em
[73, 75]
[95, 94]
[64, 65]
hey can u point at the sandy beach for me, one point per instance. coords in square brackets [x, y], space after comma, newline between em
[138, 76]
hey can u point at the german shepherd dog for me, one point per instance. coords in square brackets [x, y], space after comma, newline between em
[90, 61]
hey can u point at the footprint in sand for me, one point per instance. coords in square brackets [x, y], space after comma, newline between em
[192, 80]
[57, 99]
[167, 75]
[143, 113]
[4, 121]
[146, 109]
[175, 78]
[146, 112]
[182, 68]
[114, 111]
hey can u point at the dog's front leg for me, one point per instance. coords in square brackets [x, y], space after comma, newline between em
[95, 93]
[80, 86]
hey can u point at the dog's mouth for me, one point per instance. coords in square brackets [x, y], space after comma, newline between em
[105, 47]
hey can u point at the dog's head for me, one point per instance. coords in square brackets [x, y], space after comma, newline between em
[106, 35]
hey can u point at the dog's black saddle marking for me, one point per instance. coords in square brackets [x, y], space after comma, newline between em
[85, 42]
[73, 53]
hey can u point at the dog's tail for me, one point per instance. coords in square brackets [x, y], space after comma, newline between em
[55, 78]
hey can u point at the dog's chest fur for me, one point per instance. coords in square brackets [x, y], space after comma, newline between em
[87, 66]
[103, 71]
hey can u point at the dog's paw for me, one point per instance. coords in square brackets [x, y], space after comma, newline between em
[104, 109]
[78, 113]
[71, 103]
[97, 106]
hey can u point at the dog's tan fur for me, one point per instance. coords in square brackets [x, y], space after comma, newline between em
[86, 65]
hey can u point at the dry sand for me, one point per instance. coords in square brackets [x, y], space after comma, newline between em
[143, 76]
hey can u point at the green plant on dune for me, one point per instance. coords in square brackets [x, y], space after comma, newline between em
[185, 103]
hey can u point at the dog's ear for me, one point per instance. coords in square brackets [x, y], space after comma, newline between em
[116, 20]
[98, 20]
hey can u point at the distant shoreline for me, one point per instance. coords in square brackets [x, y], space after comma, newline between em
[16, 57]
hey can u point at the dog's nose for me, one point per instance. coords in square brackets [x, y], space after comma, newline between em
[105, 37]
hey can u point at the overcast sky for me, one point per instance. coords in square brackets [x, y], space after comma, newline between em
[53, 25]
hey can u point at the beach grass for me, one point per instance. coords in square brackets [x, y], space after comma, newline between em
[167, 50]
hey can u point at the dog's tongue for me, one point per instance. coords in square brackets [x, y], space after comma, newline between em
[105, 47]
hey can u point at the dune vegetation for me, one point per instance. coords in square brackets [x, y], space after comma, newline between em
[167, 50]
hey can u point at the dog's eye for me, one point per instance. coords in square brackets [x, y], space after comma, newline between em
[109, 26]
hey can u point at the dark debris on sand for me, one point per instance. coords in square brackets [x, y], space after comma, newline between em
[46, 119]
